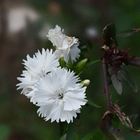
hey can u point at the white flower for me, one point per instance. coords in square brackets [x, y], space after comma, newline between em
[35, 68]
[66, 46]
[18, 18]
[59, 96]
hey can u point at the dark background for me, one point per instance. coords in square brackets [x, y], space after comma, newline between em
[23, 26]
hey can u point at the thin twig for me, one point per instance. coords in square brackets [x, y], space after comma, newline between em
[135, 61]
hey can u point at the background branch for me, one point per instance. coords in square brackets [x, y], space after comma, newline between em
[106, 85]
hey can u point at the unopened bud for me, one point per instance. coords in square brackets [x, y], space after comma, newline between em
[86, 82]
[105, 47]
[81, 65]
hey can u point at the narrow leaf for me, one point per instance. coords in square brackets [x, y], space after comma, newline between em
[91, 103]
[81, 65]
[93, 62]
[117, 83]
[124, 75]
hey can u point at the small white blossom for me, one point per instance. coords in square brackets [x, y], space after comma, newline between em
[66, 46]
[36, 67]
[18, 18]
[59, 96]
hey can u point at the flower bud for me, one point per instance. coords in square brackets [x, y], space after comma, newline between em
[85, 82]
[80, 66]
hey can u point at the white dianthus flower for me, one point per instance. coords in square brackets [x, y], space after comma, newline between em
[66, 46]
[36, 67]
[59, 96]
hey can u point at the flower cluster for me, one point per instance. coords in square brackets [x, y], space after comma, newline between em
[57, 91]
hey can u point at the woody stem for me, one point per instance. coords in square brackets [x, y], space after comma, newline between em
[106, 84]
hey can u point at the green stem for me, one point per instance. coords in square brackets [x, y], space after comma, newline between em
[62, 129]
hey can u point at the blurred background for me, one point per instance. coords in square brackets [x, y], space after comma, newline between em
[23, 28]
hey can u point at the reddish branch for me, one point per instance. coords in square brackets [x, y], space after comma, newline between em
[106, 84]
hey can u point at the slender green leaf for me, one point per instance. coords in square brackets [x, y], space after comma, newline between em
[93, 62]
[91, 103]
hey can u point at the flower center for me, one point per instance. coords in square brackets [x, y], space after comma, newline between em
[60, 96]
[60, 93]
[70, 40]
